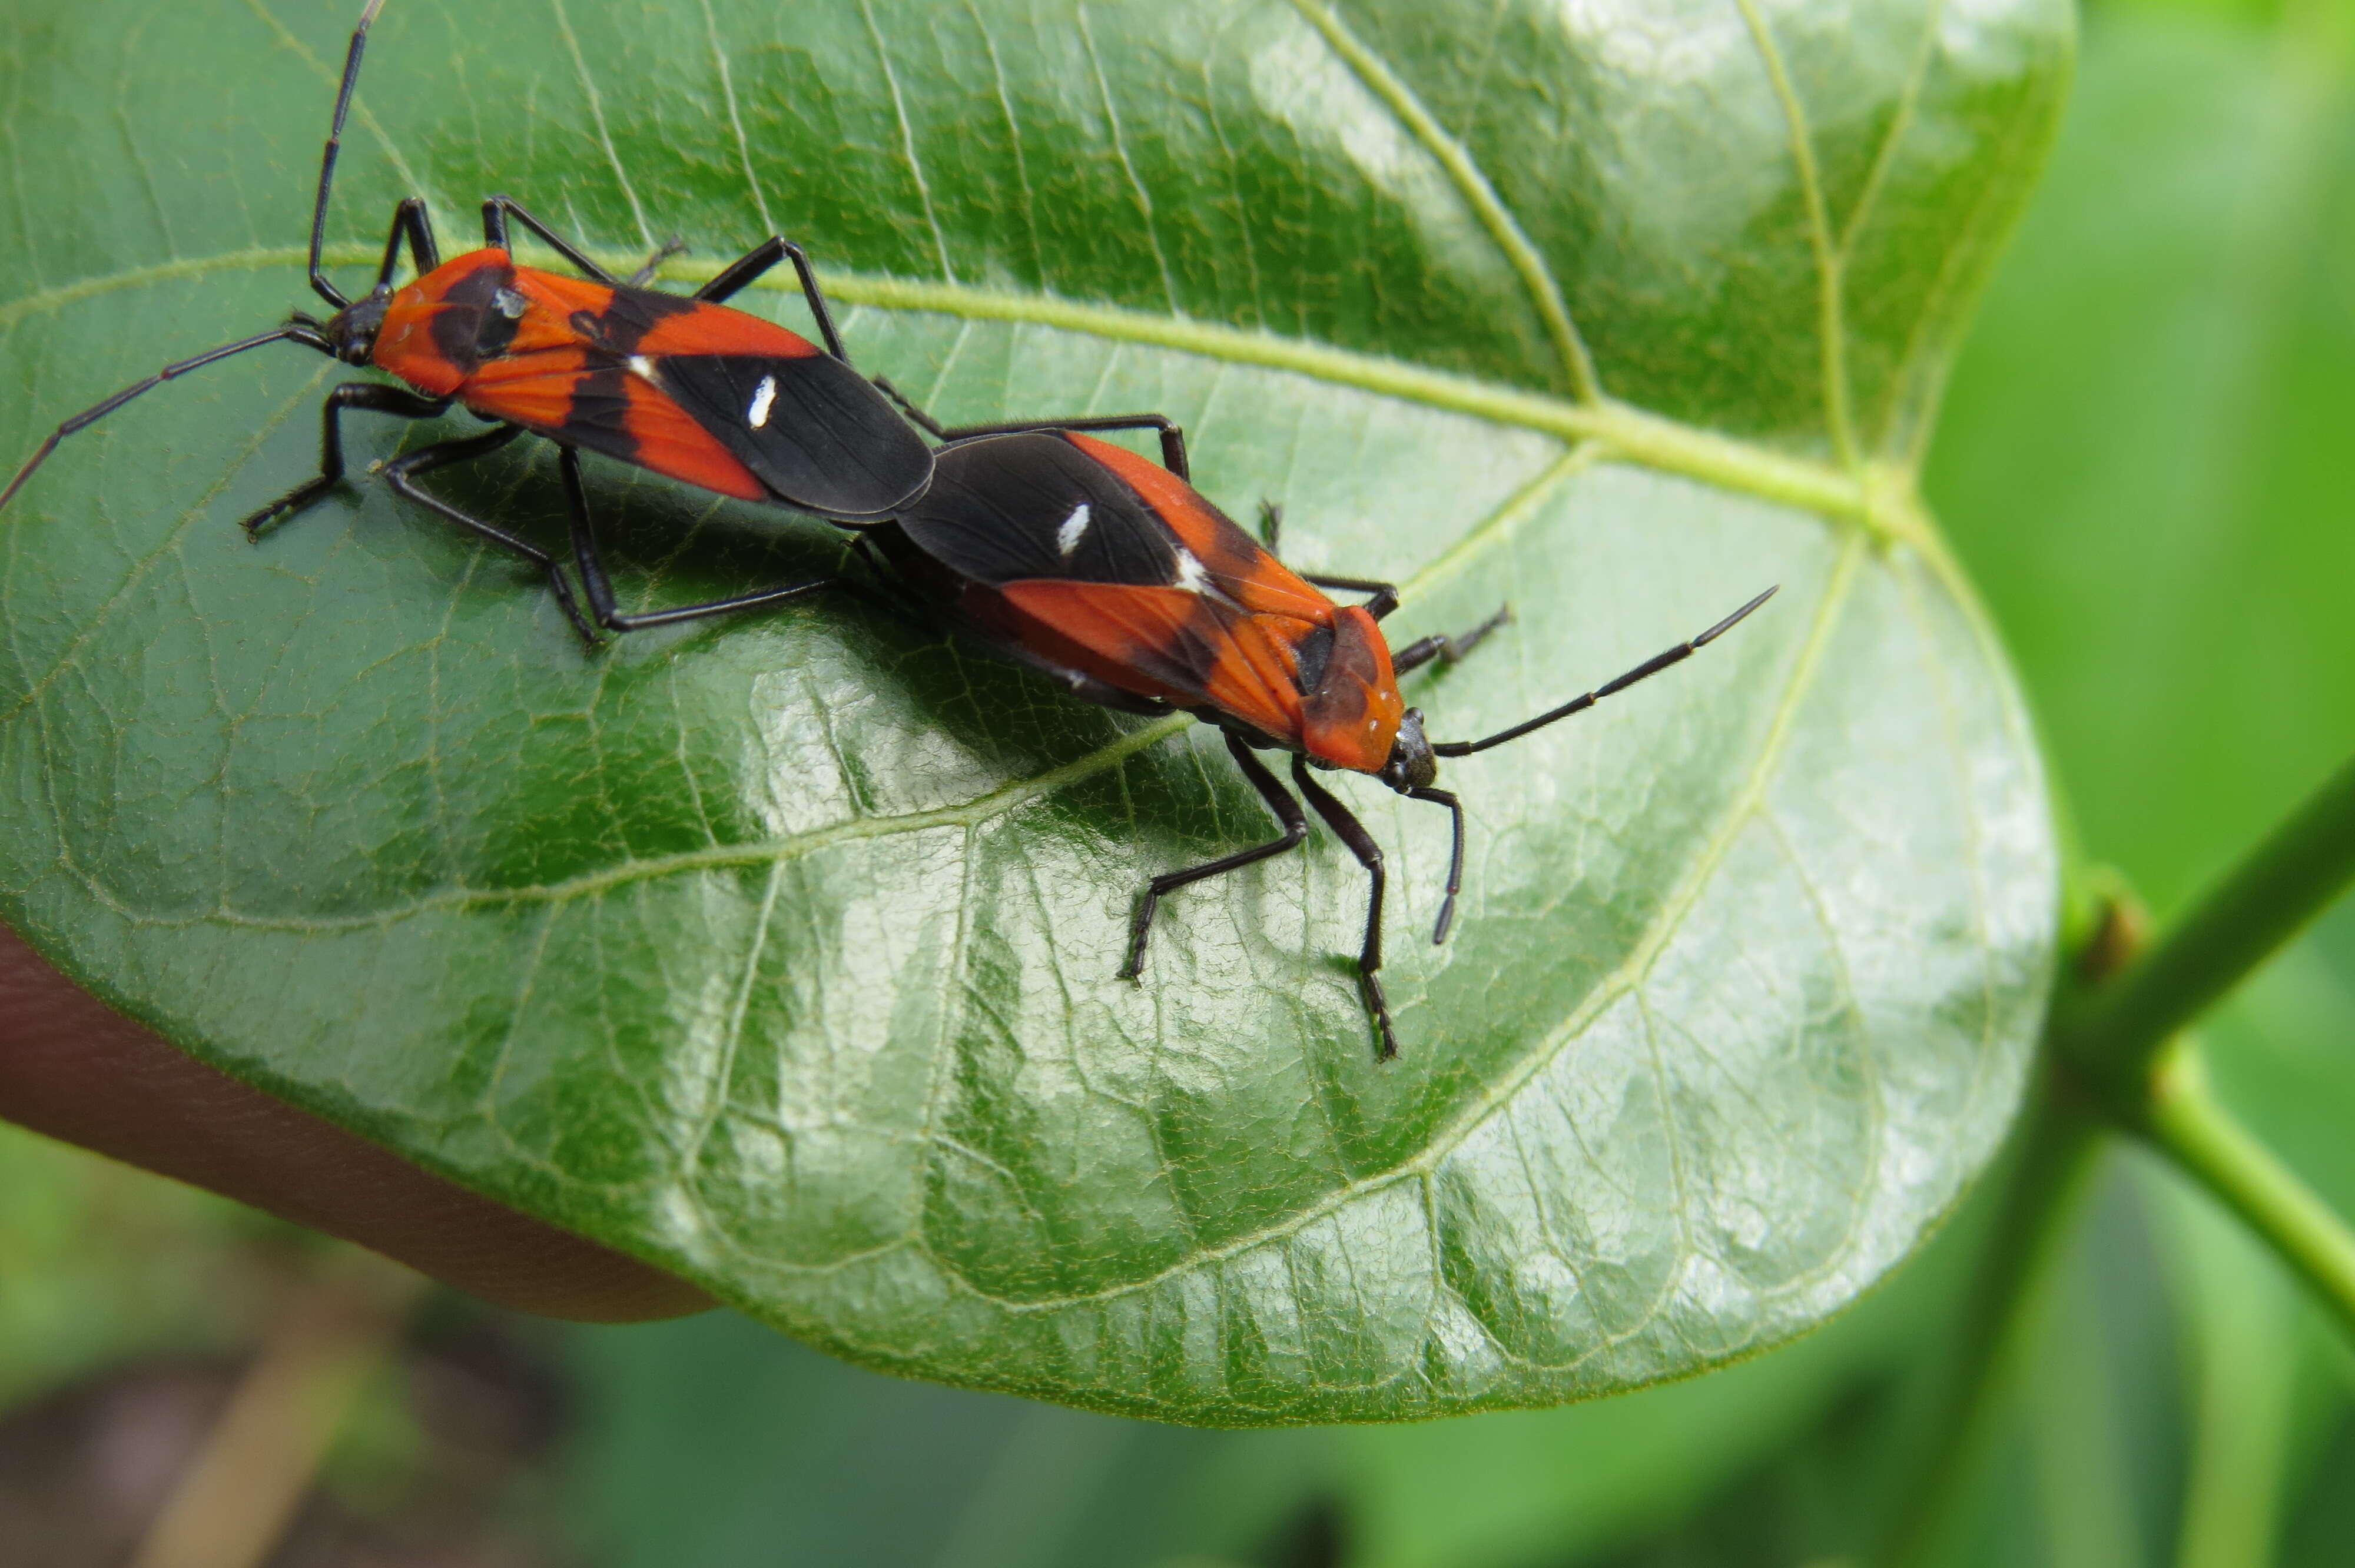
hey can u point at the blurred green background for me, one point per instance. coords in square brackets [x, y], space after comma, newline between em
[2146, 462]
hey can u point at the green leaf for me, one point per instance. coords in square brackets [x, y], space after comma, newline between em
[1586, 1481]
[781, 953]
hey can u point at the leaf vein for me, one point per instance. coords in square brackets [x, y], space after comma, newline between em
[1128, 166]
[597, 117]
[907, 138]
[1472, 185]
[1633, 434]
[1928, 377]
[736, 120]
[741, 1007]
[1876, 1097]
[1013, 142]
[1831, 331]
[1973, 829]
[1901, 121]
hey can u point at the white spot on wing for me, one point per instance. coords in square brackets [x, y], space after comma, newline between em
[1074, 529]
[641, 366]
[765, 395]
[1190, 575]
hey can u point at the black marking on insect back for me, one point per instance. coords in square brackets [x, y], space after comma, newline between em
[499, 324]
[1192, 658]
[1313, 652]
[1338, 697]
[1233, 554]
[999, 506]
[466, 309]
[627, 318]
[1185, 663]
[1230, 560]
[599, 418]
[634, 313]
[828, 441]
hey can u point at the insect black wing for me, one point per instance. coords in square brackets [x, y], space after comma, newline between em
[1011, 507]
[810, 427]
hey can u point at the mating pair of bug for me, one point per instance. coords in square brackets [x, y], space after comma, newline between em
[1108, 572]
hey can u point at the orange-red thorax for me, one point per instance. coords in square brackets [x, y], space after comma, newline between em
[1351, 720]
[1349, 715]
[439, 330]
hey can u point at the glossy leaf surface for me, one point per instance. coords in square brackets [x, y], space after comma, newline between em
[781, 952]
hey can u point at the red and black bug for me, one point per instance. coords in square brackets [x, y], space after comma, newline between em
[682, 386]
[1119, 579]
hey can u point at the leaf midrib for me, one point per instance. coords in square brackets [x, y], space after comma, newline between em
[1475, 189]
[1622, 430]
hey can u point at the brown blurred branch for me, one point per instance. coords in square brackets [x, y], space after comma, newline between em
[238, 1494]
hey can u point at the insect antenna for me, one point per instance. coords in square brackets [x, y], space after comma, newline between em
[302, 330]
[1454, 859]
[1645, 671]
[327, 290]
[1649, 667]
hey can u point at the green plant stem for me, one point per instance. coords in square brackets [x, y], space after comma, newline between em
[2054, 1152]
[2183, 1117]
[2242, 1318]
[2111, 1036]
[2124, 1041]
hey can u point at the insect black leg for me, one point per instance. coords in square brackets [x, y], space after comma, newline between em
[303, 332]
[767, 254]
[368, 395]
[410, 224]
[1173, 435]
[601, 604]
[741, 271]
[1385, 595]
[401, 475]
[887, 591]
[930, 426]
[1369, 855]
[1447, 650]
[664, 253]
[1287, 811]
[499, 208]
